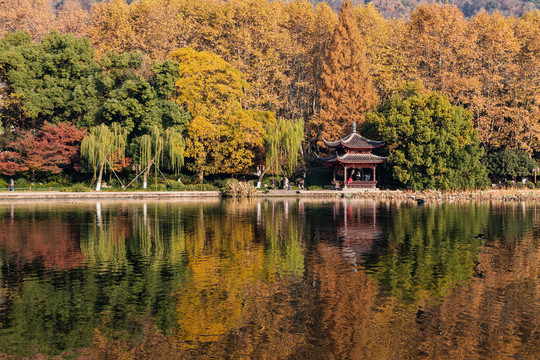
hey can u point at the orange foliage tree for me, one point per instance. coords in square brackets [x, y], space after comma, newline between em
[488, 64]
[347, 92]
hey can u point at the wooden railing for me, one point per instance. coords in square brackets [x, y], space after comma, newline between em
[356, 184]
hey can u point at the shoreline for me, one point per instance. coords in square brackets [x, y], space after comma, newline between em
[428, 195]
[109, 195]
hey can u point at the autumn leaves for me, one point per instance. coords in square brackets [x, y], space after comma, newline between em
[222, 72]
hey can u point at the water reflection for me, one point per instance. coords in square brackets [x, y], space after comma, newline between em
[282, 278]
[430, 250]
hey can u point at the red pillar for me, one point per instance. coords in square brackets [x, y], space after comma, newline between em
[374, 177]
[345, 177]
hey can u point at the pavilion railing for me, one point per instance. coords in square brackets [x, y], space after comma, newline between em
[355, 184]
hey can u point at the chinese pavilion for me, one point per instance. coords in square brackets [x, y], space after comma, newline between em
[354, 161]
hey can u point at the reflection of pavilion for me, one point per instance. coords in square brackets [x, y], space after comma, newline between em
[359, 229]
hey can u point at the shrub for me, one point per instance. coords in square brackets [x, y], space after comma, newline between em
[158, 187]
[235, 188]
[114, 183]
[59, 179]
[314, 187]
[22, 183]
[201, 187]
[52, 184]
[175, 186]
[79, 188]
[267, 180]
[189, 179]
[530, 185]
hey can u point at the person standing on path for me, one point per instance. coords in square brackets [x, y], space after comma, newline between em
[11, 184]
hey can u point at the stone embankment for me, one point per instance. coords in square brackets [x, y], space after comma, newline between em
[480, 195]
[109, 195]
[430, 195]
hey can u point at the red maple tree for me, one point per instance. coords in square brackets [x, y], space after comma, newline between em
[11, 163]
[50, 150]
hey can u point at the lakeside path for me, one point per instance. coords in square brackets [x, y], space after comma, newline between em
[430, 195]
[109, 195]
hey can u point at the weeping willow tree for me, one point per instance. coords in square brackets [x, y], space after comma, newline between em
[103, 144]
[160, 146]
[283, 146]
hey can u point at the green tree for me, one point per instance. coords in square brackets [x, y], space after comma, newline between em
[42, 78]
[509, 164]
[347, 92]
[432, 144]
[123, 94]
[159, 146]
[284, 145]
[57, 80]
[103, 145]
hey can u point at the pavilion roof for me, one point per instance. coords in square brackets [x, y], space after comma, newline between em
[354, 141]
[348, 158]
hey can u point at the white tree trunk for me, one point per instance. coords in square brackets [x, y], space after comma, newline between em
[100, 176]
[145, 175]
[261, 176]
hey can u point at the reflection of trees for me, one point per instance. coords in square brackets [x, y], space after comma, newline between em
[132, 265]
[50, 316]
[231, 292]
[347, 316]
[45, 246]
[430, 250]
[512, 221]
[494, 314]
[233, 274]
[231, 304]
[51, 241]
[239, 280]
[284, 252]
[268, 327]
[104, 243]
[497, 314]
[138, 260]
[346, 296]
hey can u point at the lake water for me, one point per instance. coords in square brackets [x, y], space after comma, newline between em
[270, 279]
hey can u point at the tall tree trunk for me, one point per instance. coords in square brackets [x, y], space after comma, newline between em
[145, 180]
[261, 176]
[146, 172]
[100, 176]
[201, 175]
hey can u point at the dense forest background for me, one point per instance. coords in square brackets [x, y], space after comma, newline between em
[484, 62]
[403, 8]
[400, 8]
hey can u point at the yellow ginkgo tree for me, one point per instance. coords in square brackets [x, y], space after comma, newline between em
[223, 136]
